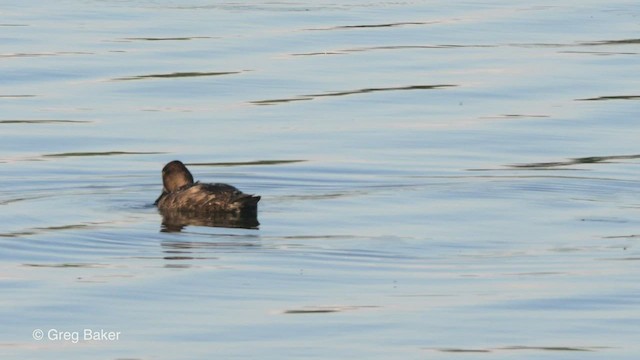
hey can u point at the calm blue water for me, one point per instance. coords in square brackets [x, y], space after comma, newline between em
[439, 180]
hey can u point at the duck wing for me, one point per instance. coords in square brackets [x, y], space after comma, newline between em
[229, 197]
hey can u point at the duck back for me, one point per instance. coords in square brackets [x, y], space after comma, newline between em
[209, 198]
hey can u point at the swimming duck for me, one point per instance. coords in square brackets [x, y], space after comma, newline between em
[181, 193]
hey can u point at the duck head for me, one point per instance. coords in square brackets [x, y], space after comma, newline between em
[175, 176]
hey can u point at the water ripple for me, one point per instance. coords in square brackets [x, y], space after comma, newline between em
[246, 163]
[176, 75]
[465, 46]
[48, 229]
[613, 97]
[514, 116]
[45, 157]
[575, 161]
[101, 153]
[67, 265]
[368, 26]
[327, 309]
[10, 55]
[389, 47]
[612, 42]
[44, 121]
[168, 38]
[599, 53]
[519, 347]
[350, 92]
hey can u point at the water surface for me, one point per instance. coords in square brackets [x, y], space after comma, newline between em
[438, 180]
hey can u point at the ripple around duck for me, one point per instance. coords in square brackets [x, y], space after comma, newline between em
[240, 242]
[46, 230]
[334, 256]
[72, 241]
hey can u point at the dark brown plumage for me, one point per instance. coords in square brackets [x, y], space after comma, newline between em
[180, 193]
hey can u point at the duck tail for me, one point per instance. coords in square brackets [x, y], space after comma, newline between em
[251, 200]
[247, 203]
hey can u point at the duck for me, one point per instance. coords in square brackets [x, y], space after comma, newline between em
[181, 194]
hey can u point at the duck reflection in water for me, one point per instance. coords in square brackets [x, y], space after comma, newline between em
[185, 202]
